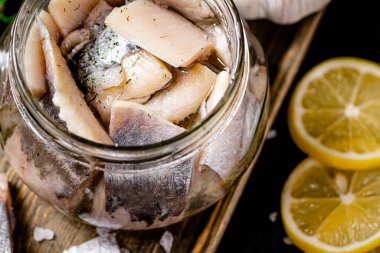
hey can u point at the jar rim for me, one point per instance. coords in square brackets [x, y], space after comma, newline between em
[135, 154]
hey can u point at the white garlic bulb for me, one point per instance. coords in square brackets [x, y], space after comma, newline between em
[279, 11]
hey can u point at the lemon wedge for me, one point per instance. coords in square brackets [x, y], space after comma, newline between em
[329, 210]
[334, 114]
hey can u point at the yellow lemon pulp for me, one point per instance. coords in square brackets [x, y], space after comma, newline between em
[334, 114]
[329, 210]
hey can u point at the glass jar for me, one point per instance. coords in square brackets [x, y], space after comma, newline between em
[138, 187]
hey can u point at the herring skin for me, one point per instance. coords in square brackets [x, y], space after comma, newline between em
[135, 125]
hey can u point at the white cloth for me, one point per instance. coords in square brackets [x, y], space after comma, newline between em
[279, 11]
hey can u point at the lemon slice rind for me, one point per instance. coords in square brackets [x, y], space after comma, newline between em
[344, 160]
[312, 243]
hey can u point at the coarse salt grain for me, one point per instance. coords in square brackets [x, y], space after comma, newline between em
[273, 217]
[272, 134]
[104, 244]
[287, 241]
[89, 193]
[166, 241]
[41, 234]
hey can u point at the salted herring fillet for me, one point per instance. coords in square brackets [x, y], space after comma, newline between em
[109, 78]
[195, 10]
[95, 19]
[166, 34]
[50, 172]
[150, 199]
[185, 95]
[5, 216]
[135, 125]
[50, 24]
[218, 90]
[35, 66]
[146, 74]
[206, 187]
[76, 40]
[143, 75]
[69, 15]
[73, 109]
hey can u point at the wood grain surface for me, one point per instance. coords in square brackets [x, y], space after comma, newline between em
[285, 47]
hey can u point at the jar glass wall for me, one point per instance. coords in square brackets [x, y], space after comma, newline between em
[138, 187]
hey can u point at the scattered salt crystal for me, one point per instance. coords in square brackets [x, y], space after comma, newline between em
[272, 134]
[89, 193]
[102, 231]
[104, 244]
[287, 241]
[166, 241]
[41, 234]
[273, 217]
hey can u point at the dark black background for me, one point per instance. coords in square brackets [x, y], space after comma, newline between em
[349, 28]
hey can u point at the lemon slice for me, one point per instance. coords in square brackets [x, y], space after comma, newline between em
[328, 210]
[334, 114]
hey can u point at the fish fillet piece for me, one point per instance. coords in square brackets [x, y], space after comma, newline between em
[35, 66]
[145, 200]
[48, 172]
[225, 152]
[195, 10]
[161, 32]
[135, 125]
[5, 216]
[103, 100]
[185, 95]
[105, 50]
[73, 109]
[146, 74]
[95, 19]
[76, 40]
[206, 187]
[109, 78]
[102, 244]
[69, 15]
[218, 91]
[52, 27]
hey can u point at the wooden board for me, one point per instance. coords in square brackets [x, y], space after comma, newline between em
[285, 47]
